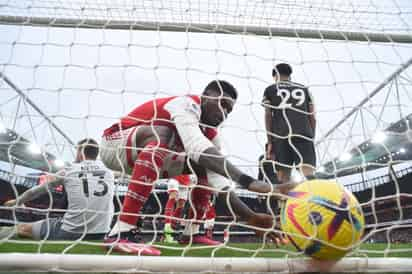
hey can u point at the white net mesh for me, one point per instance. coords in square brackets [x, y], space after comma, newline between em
[70, 69]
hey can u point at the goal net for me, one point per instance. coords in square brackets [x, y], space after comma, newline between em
[70, 69]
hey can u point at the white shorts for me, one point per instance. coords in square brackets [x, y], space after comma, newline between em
[114, 149]
[182, 191]
[119, 152]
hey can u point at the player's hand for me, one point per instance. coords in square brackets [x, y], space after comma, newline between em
[284, 188]
[10, 203]
[262, 220]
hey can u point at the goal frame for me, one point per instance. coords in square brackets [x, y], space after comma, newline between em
[115, 263]
[206, 28]
[130, 264]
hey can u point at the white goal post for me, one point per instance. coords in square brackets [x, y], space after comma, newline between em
[354, 56]
[129, 264]
[208, 28]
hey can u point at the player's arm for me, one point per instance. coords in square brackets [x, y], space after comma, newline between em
[312, 115]
[238, 207]
[257, 220]
[213, 161]
[220, 182]
[268, 122]
[267, 104]
[186, 115]
[35, 192]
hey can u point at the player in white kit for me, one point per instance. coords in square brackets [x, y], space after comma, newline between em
[90, 188]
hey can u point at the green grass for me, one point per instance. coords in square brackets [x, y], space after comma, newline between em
[247, 249]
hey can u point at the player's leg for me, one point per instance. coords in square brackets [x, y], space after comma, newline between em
[144, 150]
[7, 232]
[36, 230]
[283, 155]
[307, 156]
[26, 230]
[186, 181]
[114, 150]
[199, 200]
[172, 189]
[124, 234]
[178, 213]
[209, 225]
[21, 230]
[181, 196]
[146, 168]
[39, 230]
[47, 229]
[269, 171]
[210, 219]
[170, 206]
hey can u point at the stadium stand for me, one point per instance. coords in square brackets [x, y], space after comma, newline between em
[386, 200]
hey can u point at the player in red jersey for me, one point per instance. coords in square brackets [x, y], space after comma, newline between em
[158, 138]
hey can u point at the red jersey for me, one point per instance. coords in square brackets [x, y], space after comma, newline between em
[183, 179]
[154, 113]
[168, 112]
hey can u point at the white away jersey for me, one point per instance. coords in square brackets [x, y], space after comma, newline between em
[90, 188]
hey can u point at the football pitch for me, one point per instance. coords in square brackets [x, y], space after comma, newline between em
[230, 250]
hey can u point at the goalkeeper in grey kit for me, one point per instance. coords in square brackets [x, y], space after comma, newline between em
[90, 188]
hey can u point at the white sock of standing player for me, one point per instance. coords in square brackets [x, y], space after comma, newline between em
[226, 235]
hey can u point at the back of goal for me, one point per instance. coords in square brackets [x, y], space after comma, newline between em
[70, 69]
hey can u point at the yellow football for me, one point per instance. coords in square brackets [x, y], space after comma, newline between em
[322, 219]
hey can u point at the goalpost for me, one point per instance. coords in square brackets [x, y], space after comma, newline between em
[69, 69]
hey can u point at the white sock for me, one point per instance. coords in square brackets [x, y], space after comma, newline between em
[120, 226]
[191, 229]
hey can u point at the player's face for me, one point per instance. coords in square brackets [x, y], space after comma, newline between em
[215, 108]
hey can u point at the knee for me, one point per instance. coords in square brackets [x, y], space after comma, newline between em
[25, 230]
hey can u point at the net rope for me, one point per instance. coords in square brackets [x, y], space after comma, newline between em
[85, 64]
